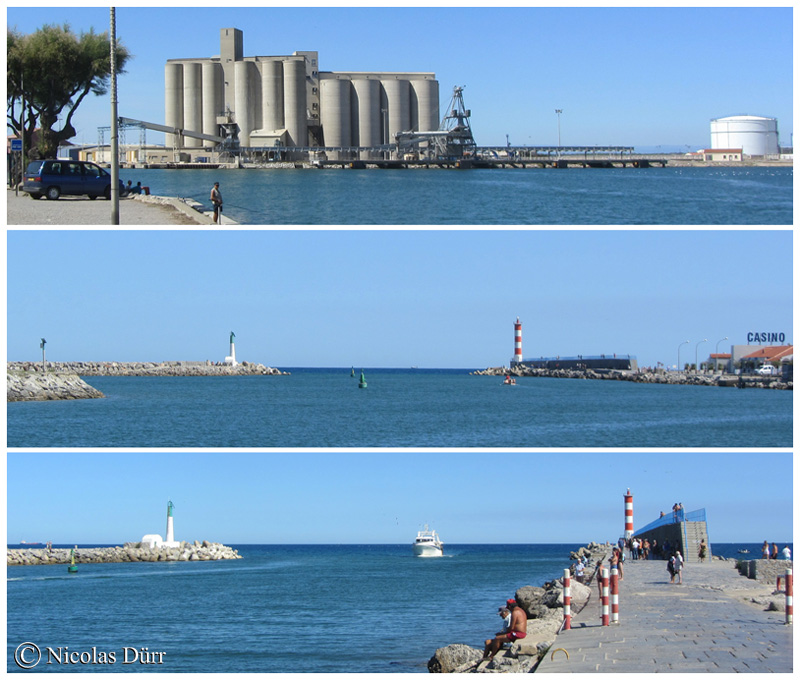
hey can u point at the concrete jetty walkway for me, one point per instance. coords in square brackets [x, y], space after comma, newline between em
[705, 625]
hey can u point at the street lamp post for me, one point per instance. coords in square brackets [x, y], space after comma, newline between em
[696, 365]
[114, 122]
[716, 351]
[558, 113]
[685, 342]
[44, 362]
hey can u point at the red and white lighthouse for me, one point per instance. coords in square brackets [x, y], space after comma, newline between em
[628, 514]
[517, 342]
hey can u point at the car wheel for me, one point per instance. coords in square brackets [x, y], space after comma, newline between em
[107, 193]
[53, 193]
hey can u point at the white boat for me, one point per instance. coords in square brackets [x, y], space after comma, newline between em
[427, 544]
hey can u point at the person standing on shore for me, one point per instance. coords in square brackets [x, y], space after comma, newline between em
[701, 553]
[216, 201]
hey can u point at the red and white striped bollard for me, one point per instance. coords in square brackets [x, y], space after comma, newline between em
[604, 599]
[567, 600]
[614, 595]
[789, 602]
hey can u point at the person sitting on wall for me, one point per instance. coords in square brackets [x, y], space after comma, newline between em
[517, 631]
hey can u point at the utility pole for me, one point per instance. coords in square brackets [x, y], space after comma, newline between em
[114, 124]
[44, 362]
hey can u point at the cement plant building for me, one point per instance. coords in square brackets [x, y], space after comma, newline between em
[286, 101]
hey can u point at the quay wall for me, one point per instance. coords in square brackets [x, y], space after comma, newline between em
[641, 376]
[764, 571]
[130, 552]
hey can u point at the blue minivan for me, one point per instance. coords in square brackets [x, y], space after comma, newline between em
[53, 178]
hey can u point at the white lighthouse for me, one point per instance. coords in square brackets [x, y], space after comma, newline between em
[170, 542]
[231, 359]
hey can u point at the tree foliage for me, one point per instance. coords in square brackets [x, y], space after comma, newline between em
[55, 69]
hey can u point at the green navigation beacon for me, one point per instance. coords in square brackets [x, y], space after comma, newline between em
[362, 382]
[72, 569]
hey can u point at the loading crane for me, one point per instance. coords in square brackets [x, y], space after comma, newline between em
[453, 139]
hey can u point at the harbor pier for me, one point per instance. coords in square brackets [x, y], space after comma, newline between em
[716, 621]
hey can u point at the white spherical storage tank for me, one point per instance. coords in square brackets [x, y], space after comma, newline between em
[754, 135]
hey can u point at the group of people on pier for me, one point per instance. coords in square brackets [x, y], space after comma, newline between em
[768, 553]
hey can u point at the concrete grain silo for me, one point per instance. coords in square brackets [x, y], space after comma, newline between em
[754, 135]
[294, 101]
[173, 99]
[366, 108]
[336, 111]
[285, 101]
[192, 101]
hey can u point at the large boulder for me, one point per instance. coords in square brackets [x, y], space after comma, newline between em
[449, 659]
[529, 598]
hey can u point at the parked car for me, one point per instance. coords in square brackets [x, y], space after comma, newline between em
[59, 177]
[767, 369]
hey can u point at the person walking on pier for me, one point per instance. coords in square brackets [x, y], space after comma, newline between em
[678, 566]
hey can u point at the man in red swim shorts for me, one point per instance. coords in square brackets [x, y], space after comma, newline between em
[517, 630]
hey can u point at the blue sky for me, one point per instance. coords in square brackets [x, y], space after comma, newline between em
[433, 299]
[644, 77]
[379, 498]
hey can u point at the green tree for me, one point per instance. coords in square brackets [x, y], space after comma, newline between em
[54, 70]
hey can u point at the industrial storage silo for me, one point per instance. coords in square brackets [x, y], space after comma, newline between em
[272, 94]
[366, 104]
[335, 111]
[397, 98]
[192, 102]
[173, 99]
[294, 100]
[243, 103]
[754, 135]
[425, 104]
[212, 96]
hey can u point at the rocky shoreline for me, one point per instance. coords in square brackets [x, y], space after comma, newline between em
[131, 552]
[654, 377]
[27, 380]
[544, 608]
[22, 386]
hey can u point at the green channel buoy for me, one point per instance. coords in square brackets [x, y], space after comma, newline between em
[72, 569]
[362, 382]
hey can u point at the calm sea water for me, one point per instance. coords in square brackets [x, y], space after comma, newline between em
[401, 408]
[325, 609]
[535, 196]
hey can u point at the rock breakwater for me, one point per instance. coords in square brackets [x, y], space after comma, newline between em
[655, 377]
[543, 606]
[131, 552]
[30, 386]
[145, 368]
